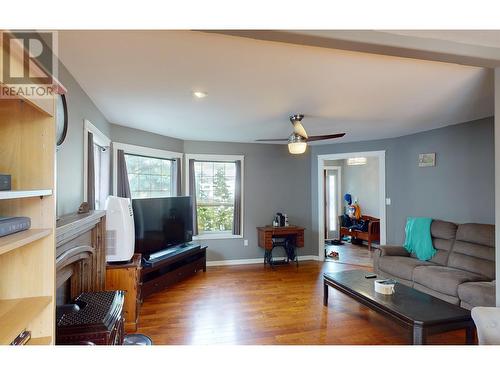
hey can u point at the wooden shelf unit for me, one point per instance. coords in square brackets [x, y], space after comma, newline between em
[12, 242]
[16, 315]
[27, 259]
[46, 340]
[15, 194]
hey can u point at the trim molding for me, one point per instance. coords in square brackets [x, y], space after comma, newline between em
[101, 139]
[382, 193]
[236, 262]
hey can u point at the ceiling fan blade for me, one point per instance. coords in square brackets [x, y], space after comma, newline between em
[272, 140]
[323, 137]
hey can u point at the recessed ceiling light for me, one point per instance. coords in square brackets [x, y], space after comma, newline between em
[199, 94]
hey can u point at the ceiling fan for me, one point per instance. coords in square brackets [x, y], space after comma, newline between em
[297, 141]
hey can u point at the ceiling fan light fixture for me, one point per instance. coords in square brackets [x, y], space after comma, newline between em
[297, 125]
[296, 144]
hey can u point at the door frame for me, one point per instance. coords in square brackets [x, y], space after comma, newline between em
[321, 204]
[337, 168]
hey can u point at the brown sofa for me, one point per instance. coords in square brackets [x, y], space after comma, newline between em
[461, 272]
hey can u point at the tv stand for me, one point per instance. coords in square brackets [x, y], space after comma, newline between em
[170, 266]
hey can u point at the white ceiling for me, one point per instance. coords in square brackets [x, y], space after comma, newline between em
[144, 80]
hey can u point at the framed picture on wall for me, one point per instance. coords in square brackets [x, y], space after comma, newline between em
[427, 160]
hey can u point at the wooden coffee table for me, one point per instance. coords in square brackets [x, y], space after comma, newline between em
[420, 312]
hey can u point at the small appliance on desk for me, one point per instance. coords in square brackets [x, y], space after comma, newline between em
[280, 220]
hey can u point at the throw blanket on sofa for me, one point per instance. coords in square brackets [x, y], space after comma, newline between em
[418, 237]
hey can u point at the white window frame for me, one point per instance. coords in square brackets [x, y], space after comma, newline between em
[100, 139]
[142, 151]
[221, 158]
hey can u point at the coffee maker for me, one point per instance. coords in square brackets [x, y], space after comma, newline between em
[280, 220]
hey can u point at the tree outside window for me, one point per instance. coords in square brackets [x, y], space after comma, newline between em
[215, 183]
[149, 177]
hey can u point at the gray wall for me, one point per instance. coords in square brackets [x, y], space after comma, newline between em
[274, 181]
[136, 137]
[460, 188]
[70, 155]
[361, 181]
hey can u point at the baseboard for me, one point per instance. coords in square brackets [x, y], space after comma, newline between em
[235, 262]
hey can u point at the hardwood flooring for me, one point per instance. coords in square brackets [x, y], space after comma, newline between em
[358, 255]
[252, 305]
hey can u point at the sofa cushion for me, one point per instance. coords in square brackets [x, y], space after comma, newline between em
[443, 279]
[400, 266]
[443, 235]
[480, 293]
[474, 250]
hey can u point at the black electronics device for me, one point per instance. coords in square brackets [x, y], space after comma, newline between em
[162, 223]
[10, 225]
[280, 218]
[5, 182]
[370, 276]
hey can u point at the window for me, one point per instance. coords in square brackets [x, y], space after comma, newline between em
[101, 175]
[215, 196]
[150, 177]
[100, 165]
[151, 173]
[218, 196]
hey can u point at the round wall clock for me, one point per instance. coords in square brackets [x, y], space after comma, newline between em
[61, 119]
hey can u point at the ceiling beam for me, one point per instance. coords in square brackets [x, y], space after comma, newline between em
[381, 43]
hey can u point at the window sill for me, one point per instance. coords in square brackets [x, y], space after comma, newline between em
[217, 236]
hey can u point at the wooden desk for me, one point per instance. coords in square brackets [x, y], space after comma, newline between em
[267, 233]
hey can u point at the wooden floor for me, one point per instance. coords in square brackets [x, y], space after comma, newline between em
[252, 305]
[357, 255]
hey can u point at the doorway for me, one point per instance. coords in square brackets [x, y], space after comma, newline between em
[339, 174]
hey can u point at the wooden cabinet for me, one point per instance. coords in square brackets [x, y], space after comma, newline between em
[126, 277]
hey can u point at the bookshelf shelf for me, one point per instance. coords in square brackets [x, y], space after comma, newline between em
[16, 194]
[17, 314]
[45, 340]
[16, 240]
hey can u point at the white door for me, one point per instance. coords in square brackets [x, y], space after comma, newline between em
[332, 203]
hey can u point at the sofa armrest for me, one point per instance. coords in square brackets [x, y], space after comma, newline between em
[391, 250]
[388, 250]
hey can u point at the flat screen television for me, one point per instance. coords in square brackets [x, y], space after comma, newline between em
[161, 223]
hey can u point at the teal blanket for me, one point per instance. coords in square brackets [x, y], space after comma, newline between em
[418, 237]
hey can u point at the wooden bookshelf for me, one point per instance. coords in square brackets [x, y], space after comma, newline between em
[16, 194]
[46, 340]
[27, 259]
[12, 242]
[16, 315]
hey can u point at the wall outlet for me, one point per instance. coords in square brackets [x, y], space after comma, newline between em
[245, 242]
[388, 201]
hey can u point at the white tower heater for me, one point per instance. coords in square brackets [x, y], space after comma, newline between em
[120, 235]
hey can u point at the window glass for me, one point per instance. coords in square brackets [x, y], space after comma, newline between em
[149, 177]
[215, 184]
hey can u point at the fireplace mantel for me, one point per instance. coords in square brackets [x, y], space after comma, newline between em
[80, 254]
